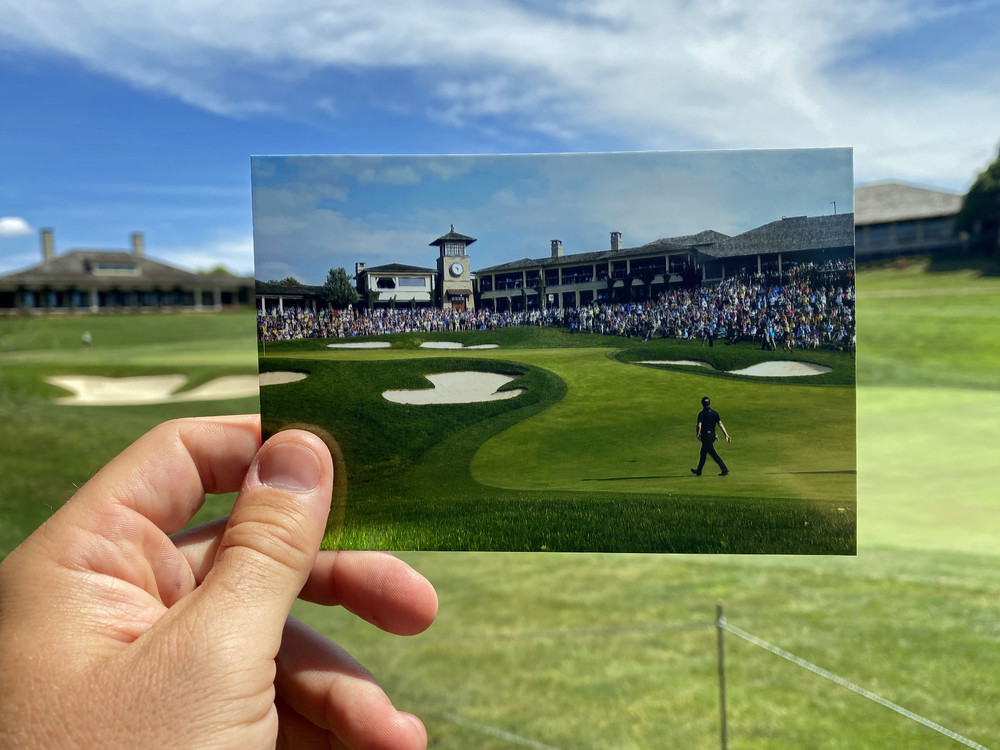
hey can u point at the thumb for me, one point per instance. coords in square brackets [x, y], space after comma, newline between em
[271, 540]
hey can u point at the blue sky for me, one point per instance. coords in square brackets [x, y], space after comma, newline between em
[312, 213]
[118, 116]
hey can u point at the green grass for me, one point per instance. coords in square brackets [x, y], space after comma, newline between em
[594, 456]
[573, 649]
[53, 449]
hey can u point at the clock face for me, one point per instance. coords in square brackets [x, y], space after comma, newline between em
[457, 268]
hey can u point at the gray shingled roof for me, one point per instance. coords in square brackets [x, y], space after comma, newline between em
[896, 201]
[788, 235]
[76, 267]
[665, 244]
[453, 236]
[398, 268]
[265, 288]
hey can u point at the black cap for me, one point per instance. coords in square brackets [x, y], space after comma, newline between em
[706, 401]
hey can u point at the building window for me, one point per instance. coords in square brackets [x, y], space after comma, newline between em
[878, 234]
[678, 263]
[509, 281]
[578, 275]
[906, 232]
[649, 265]
[551, 277]
[938, 228]
[421, 283]
[453, 248]
[386, 283]
[115, 268]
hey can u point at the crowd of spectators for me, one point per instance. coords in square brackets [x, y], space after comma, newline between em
[806, 306]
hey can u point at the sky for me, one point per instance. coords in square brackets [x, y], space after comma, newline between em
[313, 213]
[119, 116]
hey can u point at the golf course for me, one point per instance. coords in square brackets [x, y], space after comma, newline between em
[592, 650]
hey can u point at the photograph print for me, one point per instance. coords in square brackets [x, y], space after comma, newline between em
[619, 352]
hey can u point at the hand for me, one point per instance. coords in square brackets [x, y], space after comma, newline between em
[114, 635]
[728, 439]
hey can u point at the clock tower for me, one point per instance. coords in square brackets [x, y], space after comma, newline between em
[454, 271]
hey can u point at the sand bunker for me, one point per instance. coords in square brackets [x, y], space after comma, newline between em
[454, 345]
[782, 369]
[779, 369]
[361, 345]
[280, 378]
[457, 388]
[94, 390]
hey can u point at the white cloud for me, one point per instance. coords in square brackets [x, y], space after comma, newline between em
[403, 175]
[14, 226]
[235, 253]
[664, 74]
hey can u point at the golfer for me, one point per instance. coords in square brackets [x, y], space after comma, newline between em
[708, 418]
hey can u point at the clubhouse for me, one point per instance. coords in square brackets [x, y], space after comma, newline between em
[84, 280]
[621, 273]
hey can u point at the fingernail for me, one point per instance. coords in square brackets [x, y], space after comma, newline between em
[289, 466]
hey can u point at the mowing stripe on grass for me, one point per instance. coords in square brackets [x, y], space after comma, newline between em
[798, 661]
[499, 734]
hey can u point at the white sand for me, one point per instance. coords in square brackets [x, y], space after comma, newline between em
[94, 390]
[361, 345]
[690, 362]
[457, 388]
[779, 369]
[454, 345]
[280, 378]
[100, 391]
[782, 369]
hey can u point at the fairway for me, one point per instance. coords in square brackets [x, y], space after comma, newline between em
[594, 455]
[628, 428]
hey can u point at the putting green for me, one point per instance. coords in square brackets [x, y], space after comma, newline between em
[927, 461]
[628, 428]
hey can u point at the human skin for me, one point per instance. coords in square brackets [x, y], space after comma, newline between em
[113, 634]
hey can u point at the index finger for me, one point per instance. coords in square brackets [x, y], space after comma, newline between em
[165, 474]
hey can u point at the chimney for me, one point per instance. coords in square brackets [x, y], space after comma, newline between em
[138, 244]
[557, 251]
[359, 268]
[616, 240]
[48, 246]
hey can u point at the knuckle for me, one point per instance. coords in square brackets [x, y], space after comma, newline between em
[272, 531]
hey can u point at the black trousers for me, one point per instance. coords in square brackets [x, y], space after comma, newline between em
[708, 449]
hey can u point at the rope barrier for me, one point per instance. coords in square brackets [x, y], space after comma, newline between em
[499, 734]
[581, 632]
[847, 684]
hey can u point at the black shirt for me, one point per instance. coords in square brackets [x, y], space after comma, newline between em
[708, 418]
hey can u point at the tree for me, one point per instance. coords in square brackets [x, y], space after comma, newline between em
[980, 212]
[218, 270]
[287, 281]
[338, 290]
